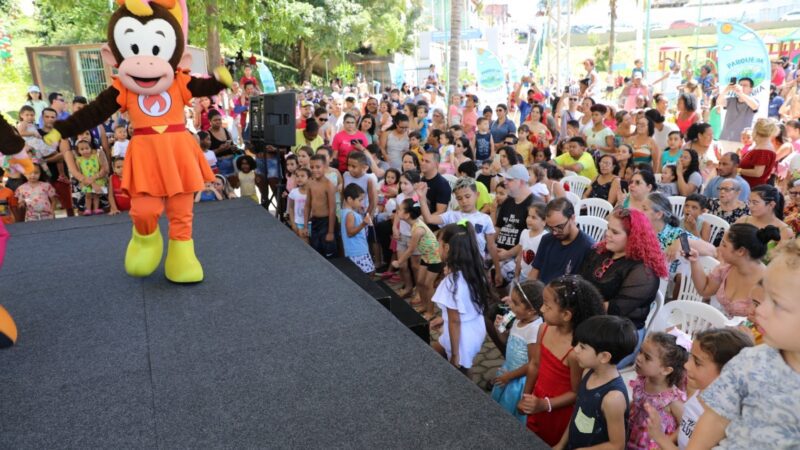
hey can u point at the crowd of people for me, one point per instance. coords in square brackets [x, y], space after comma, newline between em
[465, 210]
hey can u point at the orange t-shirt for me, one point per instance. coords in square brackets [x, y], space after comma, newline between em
[7, 202]
[166, 164]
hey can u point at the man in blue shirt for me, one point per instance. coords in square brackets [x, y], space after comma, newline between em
[727, 170]
[562, 250]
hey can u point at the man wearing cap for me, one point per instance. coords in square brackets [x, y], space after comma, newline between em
[306, 112]
[511, 217]
[633, 90]
[36, 102]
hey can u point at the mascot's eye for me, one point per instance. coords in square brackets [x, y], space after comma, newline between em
[156, 50]
[135, 49]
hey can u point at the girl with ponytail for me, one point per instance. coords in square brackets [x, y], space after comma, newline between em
[462, 296]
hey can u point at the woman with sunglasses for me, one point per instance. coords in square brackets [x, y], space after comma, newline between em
[503, 126]
[625, 267]
[641, 185]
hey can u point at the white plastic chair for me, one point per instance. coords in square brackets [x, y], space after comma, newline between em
[677, 202]
[687, 291]
[655, 307]
[596, 207]
[577, 184]
[718, 225]
[657, 177]
[593, 226]
[575, 200]
[689, 317]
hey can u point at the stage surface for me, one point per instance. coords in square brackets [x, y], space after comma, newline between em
[275, 349]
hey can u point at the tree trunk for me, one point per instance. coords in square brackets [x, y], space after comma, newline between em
[612, 32]
[456, 11]
[212, 41]
[305, 61]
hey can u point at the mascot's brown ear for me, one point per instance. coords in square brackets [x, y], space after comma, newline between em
[186, 61]
[108, 56]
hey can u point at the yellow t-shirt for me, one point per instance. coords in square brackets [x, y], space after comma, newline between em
[483, 195]
[524, 149]
[586, 160]
[300, 140]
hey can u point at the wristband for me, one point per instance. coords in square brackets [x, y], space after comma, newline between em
[549, 405]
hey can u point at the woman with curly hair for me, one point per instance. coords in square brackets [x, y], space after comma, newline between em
[625, 267]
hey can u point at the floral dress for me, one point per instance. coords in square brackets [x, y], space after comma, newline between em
[637, 421]
[36, 198]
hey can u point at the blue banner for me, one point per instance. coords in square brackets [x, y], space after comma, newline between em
[741, 53]
[490, 72]
[267, 80]
[397, 74]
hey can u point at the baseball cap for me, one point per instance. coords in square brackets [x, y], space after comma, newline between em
[305, 103]
[34, 88]
[516, 172]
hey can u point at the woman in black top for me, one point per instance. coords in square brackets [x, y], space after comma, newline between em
[607, 184]
[625, 267]
[221, 143]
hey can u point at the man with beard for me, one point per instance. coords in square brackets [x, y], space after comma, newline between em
[562, 250]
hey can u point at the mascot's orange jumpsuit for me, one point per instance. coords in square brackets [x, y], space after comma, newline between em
[164, 165]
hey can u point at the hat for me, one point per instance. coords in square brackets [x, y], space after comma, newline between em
[516, 172]
[34, 88]
[305, 103]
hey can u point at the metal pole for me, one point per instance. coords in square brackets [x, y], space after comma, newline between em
[647, 35]
[697, 30]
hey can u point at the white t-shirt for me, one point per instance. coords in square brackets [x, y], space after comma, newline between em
[529, 246]
[120, 149]
[299, 205]
[211, 157]
[692, 410]
[540, 190]
[598, 138]
[669, 86]
[481, 221]
[662, 137]
[456, 295]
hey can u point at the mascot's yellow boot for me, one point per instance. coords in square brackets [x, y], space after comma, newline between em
[182, 265]
[144, 253]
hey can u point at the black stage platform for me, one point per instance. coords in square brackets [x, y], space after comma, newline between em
[275, 349]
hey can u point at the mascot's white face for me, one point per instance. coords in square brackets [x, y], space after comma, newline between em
[146, 49]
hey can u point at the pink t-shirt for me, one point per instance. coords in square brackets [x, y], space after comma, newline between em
[469, 121]
[341, 143]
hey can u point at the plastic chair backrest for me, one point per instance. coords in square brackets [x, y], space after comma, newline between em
[596, 207]
[718, 225]
[687, 291]
[595, 227]
[689, 317]
[677, 202]
[577, 184]
[655, 307]
[575, 200]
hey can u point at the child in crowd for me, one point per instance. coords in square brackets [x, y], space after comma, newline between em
[354, 233]
[553, 372]
[468, 169]
[457, 130]
[669, 180]
[332, 174]
[447, 154]
[421, 240]
[304, 155]
[204, 140]
[421, 119]
[297, 203]
[485, 176]
[660, 382]
[320, 213]
[401, 231]
[525, 301]
[8, 203]
[747, 141]
[415, 144]
[36, 147]
[500, 196]
[524, 147]
[462, 296]
[673, 152]
[94, 185]
[541, 155]
[246, 178]
[466, 194]
[212, 191]
[484, 143]
[36, 197]
[694, 207]
[601, 406]
[121, 142]
[387, 188]
[536, 183]
[754, 402]
[357, 164]
[291, 168]
[529, 240]
[118, 199]
[711, 350]
[432, 142]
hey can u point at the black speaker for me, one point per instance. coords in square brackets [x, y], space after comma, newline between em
[363, 280]
[272, 120]
[407, 315]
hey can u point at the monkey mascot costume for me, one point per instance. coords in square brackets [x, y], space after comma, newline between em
[164, 165]
[11, 143]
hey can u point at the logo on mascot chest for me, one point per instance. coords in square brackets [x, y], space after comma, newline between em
[155, 105]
